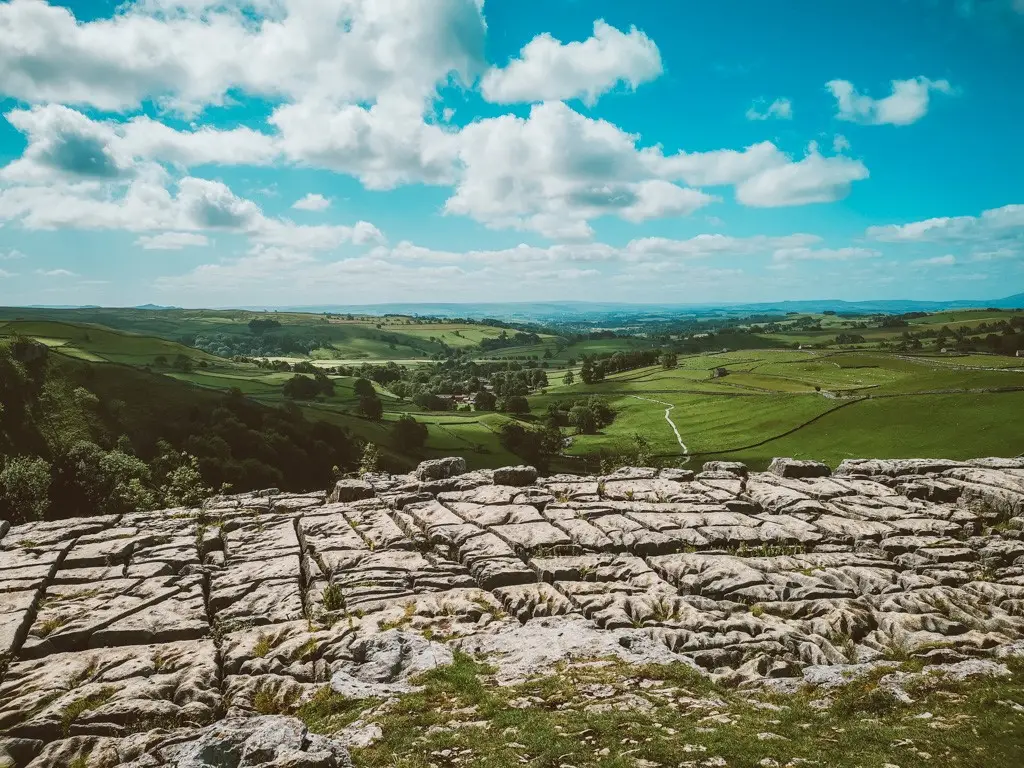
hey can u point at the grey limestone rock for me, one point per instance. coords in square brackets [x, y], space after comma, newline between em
[516, 476]
[351, 490]
[440, 469]
[154, 639]
[799, 468]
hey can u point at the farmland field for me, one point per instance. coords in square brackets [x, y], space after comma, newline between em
[766, 399]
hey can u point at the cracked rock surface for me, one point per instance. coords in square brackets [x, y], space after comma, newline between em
[174, 638]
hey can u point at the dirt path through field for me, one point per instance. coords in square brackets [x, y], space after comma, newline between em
[668, 418]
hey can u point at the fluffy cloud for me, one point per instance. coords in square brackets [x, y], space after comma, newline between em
[353, 87]
[171, 241]
[993, 225]
[780, 109]
[715, 168]
[197, 205]
[192, 54]
[548, 70]
[907, 104]
[814, 179]
[312, 202]
[555, 170]
[64, 143]
[149, 139]
[562, 253]
[384, 146]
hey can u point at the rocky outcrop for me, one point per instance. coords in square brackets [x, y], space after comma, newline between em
[136, 640]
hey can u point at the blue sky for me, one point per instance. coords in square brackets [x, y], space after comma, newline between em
[361, 151]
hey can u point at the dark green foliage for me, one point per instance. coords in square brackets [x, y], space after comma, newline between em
[371, 407]
[485, 401]
[117, 438]
[583, 419]
[370, 461]
[535, 446]
[849, 338]
[363, 388]
[259, 325]
[587, 416]
[503, 341]
[24, 489]
[301, 387]
[408, 435]
[516, 404]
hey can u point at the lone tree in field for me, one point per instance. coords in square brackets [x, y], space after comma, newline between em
[669, 360]
[569, 379]
[363, 388]
[371, 408]
[409, 435]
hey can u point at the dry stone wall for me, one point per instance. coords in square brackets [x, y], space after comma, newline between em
[125, 638]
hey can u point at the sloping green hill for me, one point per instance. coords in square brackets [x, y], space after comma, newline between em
[88, 421]
[98, 344]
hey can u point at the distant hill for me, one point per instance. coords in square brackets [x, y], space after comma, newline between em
[553, 311]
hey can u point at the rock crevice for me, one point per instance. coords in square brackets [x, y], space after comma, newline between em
[122, 637]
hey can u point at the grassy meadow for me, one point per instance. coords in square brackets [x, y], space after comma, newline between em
[747, 404]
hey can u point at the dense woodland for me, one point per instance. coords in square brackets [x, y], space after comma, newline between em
[91, 439]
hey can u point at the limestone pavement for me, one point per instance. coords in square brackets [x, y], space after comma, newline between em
[165, 638]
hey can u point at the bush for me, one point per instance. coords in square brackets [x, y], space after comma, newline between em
[516, 404]
[370, 461]
[184, 484]
[364, 388]
[24, 489]
[371, 408]
[485, 401]
[409, 435]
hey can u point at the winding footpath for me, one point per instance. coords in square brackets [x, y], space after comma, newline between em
[668, 418]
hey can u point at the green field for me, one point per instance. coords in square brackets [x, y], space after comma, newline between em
[869, 404]
[749, 404]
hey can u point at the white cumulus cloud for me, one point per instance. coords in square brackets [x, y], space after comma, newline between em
[312, 202]
[548, 70]
[780, 109]
[814, 179]
[907, 103]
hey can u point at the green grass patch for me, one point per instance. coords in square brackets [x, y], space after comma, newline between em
[613, 715]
